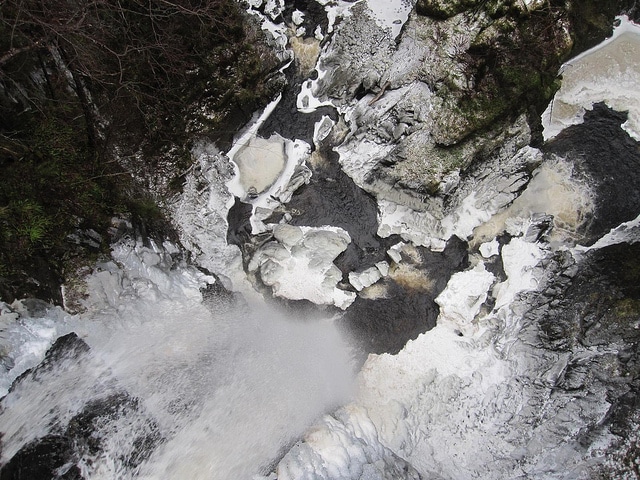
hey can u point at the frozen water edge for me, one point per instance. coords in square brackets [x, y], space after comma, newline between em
[602, 74]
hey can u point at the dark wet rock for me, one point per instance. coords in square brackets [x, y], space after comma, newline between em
[584, 321]
[58, 454]
[239, 220]
[67, 347]
[541, 225]
[610, 160]
[332, 198]
[286, 120]
[44, 459]
[592, 20]
[384, 325]
[314, 15]
[407, 307]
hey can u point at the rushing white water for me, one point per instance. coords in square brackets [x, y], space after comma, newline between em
[225, 386]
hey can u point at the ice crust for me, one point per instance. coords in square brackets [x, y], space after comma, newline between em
[298, 264]
[459, 401]
[609, 72]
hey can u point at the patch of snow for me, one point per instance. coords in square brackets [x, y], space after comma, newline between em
[366, 278]
[391, 14]
[489, 249]
[298, 265]
[469, 214]
[394, 252]
[343, 446]
[462, 298]
[307, 102]
[297, 17]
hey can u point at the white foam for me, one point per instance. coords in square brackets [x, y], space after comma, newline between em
[25, 339]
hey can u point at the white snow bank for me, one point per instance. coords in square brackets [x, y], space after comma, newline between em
[463, 297]
[299, 264]
[609, 72]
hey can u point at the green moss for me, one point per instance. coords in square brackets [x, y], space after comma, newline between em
[627, 307]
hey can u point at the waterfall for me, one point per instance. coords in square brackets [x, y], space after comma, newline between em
[196, 387]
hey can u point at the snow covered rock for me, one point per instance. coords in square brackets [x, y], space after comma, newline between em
[298, 264]
[368, 277]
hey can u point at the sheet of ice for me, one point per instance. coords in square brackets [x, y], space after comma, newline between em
[200, 216]
[260, 162]
[291, 175]
[608, 73]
